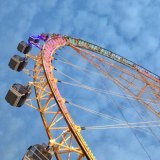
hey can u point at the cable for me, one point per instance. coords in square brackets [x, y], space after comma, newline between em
[96, 113]
[107, 92]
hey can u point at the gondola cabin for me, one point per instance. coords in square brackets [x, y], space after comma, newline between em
[24, 47]
[37, 152]
[18, 94]
[17, 63]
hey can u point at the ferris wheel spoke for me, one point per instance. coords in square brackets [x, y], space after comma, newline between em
[96, 113]
[119, 83]
[102, 91]
[148, 102]
[140, 90]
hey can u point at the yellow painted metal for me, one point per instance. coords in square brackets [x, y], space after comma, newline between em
[69, 141]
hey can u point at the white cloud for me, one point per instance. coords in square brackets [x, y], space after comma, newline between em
[130, 28]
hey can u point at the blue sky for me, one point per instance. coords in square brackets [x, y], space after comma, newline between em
[129, 28]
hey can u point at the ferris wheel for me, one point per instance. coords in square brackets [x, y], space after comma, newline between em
[65, 140]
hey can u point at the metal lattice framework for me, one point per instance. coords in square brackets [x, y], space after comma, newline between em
[63, 134]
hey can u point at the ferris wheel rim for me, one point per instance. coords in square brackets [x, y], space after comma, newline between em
[46, 59]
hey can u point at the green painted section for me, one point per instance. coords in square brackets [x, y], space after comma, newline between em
[92, 47]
